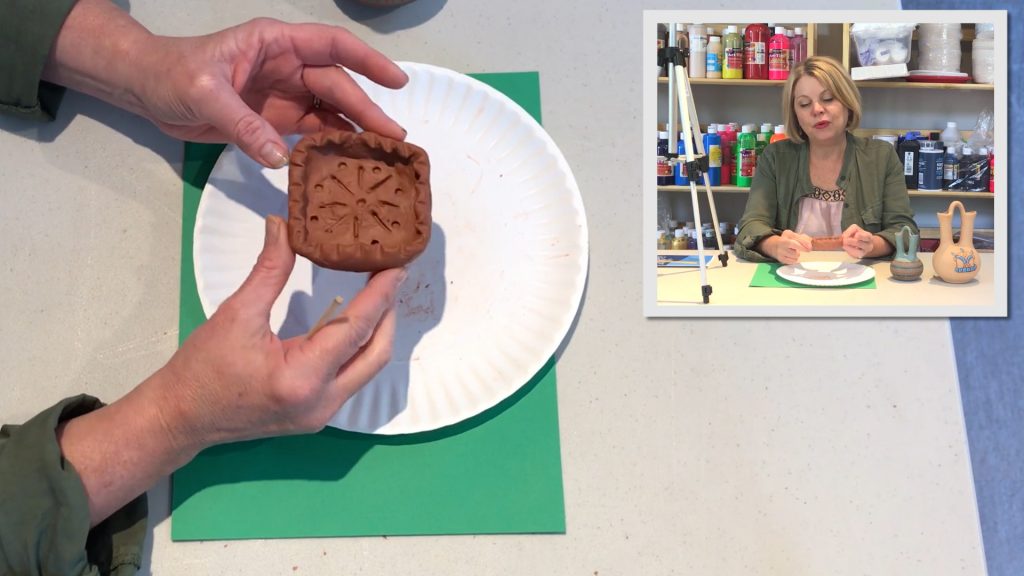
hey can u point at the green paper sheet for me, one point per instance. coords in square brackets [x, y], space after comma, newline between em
[498, 472]
[765, 277]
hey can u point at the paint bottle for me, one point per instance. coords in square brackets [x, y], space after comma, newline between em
[755, 51]
[679, 242]
[992, 172]
[728, 135]
[798, 46]
[909, 150]
[964, 174]
[714, 59]
[951, 137]
[789, 36]
[747, 146]
[983, 174]
[732, 67]
[664, 168]
[679, 173]
[698, 55]
[950, 167]
[691, 242]
[778, 55]
[713, 148]
[764, 137]
[929, 168]
[780, 134]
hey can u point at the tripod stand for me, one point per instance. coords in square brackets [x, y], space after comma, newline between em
[681, 97]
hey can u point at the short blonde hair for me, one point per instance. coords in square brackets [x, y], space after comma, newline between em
[834, 78]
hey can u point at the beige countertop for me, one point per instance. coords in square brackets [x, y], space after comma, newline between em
[679, 291]
[709, 446]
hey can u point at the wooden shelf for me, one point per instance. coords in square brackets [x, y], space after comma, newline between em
[700, 188]
[727, 82]
[903, 84]
[949, 194]
[912, 193]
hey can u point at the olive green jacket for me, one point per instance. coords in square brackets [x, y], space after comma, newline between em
[872, 175]
[44, 512]
[28, 29]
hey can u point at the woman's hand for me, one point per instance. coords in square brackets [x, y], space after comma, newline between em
[860, 243]
[787, 247]
[251, 83]
[246, 85]
[233, 379]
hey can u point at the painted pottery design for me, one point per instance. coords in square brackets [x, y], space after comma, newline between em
[956, 262]
[906, 266]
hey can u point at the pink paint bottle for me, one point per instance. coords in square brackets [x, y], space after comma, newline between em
[778, 55]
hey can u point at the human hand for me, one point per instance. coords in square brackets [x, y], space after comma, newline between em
[253, 82]
[857, 242]
[788, 246]
[234, 379]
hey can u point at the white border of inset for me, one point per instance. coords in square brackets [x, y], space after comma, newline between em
[651, 18]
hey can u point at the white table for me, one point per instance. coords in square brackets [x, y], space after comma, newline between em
[689, 447]
[679, 291]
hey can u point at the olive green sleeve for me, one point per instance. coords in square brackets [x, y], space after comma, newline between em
[28, 29]
[760, 218]
[896, 210]
[44, 512]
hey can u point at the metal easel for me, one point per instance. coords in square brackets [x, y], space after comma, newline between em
[681, 96]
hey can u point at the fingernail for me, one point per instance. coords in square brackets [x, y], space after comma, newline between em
[273, 155]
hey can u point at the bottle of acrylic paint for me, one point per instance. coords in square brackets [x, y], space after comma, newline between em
[778, 55]
[713, 148]
[780, 133]
[747, 156]
[929, 168]
[698, 55]
[732, 68]
[679, 175]
[755, 52]
[664, 168]
[798, 46]
[714, 59]
[909, 150]
[950, 168]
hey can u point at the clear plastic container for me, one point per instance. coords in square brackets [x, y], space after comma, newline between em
[983, 60]
[882, 44]
[939, 47]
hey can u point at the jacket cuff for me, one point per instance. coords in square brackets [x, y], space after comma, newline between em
[45, 511]
[28, 29]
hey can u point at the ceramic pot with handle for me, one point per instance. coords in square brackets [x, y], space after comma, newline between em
[906, 266]
[956, 262]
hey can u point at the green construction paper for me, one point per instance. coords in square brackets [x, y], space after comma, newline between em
[497, 472]
[765, 277]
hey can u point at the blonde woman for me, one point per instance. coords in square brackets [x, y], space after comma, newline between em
[823, 181]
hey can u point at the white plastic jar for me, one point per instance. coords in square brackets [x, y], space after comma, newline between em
[983, 64]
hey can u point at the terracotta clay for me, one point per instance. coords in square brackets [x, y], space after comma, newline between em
[358, 202]
[829, 243]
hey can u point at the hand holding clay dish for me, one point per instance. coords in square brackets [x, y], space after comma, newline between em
[358, 202]
[827, 243]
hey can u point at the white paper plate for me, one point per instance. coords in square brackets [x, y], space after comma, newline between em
[488, 302]
[826, 273]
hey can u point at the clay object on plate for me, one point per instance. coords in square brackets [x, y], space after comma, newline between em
[830, 243]
[906, 266]
[358, 202]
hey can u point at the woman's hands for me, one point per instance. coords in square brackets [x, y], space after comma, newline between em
[233, 379]
[246, 85]
[860, 243]
[787, 247]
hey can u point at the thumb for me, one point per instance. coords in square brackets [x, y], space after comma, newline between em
[271, 271]
[249, 131]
